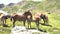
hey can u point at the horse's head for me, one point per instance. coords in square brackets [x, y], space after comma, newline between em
[28, 13]
[1, 13]
[42, 16]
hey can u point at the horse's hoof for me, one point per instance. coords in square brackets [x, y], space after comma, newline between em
[13, 26]
[4, 25]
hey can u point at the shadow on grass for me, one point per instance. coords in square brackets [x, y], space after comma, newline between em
[46, 24]
[5, 25]
[38, 29]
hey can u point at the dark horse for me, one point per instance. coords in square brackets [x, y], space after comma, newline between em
[3, 18]
[22, 17]
[45, 18]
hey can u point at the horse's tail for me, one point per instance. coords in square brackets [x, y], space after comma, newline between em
[11, 18]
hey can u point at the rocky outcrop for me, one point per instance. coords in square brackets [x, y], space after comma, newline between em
[1, 6]
[23, 30]
[11, 5]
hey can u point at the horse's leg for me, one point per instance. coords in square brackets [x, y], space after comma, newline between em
[5, 21]
[2, 20]
[24, 23]
[44, 21]
[47, 21]
[37, 24]
[14, 23]
[30, 24]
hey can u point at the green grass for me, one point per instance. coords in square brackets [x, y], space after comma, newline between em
[54, 20]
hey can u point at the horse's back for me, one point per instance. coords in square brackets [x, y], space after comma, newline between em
[2, 15]
[14, 14]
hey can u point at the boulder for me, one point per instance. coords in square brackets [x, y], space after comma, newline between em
[23, 30]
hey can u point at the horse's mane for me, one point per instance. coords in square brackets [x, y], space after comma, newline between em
[28, 14]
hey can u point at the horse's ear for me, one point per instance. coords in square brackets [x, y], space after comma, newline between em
[29, 10]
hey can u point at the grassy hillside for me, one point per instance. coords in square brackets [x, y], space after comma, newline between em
[54, 20]
[45, 5]
[52, 6]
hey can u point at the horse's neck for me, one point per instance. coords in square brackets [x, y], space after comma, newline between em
[36, 16]
[2, 15]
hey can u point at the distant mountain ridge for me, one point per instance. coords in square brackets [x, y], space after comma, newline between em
[47, 5]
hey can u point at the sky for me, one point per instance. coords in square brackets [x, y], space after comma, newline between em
[6, 2]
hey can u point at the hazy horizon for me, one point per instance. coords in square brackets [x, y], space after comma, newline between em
[6, 2]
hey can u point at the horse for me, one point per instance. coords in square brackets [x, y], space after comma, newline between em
[35, 19]
[3, 18]
[15, 17]
[43, 16]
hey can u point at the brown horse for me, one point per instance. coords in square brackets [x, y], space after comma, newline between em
[35, 19]
[38, 16]
[43, 16]
[22, 17]
[3, 18]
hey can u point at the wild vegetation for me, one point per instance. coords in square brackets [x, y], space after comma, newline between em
[44, 6]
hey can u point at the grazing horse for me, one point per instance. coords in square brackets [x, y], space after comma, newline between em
[4, 17]
[22, 17]
[35, 19]
[43, 16]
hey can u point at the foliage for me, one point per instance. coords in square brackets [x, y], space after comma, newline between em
[7, 9]
[50, 5]
[15, 8]
[54, 20]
